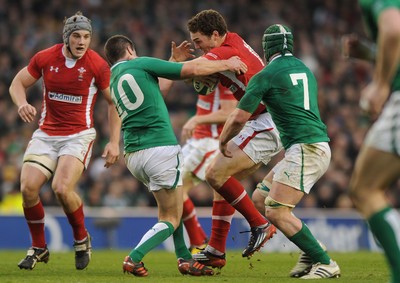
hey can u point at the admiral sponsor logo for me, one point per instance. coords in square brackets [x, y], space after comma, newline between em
[65, 97]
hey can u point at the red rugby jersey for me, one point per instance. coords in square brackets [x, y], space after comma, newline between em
[234, 45]
[70, 89]
[207, 104]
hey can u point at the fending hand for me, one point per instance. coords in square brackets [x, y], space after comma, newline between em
[182, 52]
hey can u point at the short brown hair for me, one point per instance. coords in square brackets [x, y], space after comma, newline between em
[206, 22]
[115, 48]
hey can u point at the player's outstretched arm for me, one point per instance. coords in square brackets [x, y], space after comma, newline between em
[203, 67]
[179, 53]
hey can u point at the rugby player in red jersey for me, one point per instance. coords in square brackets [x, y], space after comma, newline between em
[61, 147]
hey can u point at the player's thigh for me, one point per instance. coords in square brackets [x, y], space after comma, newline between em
[197, 154]
[157, 167]
[259, 139]
[374, 170]
[68, 172]
[32, 180]
[302, 166]
[224, 167]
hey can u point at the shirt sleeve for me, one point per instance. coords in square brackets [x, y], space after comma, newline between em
[34, 67]
[221, 53]
[382, 5]
[105, 74]
[255, 91]
[164, 69]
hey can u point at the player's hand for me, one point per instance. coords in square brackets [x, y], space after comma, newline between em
[110, 154]
[373, 98]
[27, 112]
[224, 150]
[236, 65]
[188, 129]
[181, 53]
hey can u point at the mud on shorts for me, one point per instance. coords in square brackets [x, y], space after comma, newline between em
[303, 165]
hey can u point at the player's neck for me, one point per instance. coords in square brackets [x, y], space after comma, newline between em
[221, 39]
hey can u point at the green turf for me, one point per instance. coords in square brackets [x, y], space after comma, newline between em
[106, 266]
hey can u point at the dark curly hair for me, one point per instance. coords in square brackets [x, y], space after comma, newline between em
[206, 22]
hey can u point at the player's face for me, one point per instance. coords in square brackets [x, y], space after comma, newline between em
[79, 42]
[203, 42]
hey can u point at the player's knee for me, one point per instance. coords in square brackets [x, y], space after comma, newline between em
[29, 192]
[272, 215]
[277, 212]
[357, 193]
[60, 190]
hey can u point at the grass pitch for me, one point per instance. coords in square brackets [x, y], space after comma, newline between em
[106, 266]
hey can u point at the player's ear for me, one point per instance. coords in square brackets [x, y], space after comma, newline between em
[129, 50]
[215, 34]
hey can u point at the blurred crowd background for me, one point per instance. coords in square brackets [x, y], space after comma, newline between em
[27, 26]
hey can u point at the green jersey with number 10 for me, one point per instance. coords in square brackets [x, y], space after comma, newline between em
[140, 104]
[289, 90]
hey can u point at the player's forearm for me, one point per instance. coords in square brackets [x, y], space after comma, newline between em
[231, 129]
[18, 94]
[114, 123]
[388, 57]
[218, 117]
[19, 85]
[203, 67]
[236, 120]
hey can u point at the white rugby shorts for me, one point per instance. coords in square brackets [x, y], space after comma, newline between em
[385, 132]
[157, 167]
[79, 145]
[197, 155]
[259, 139]
[303, 165]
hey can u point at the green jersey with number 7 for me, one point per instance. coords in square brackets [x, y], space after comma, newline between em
[289, 90]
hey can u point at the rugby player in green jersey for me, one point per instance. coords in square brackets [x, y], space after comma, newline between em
[151, 149]
[289, 90]
[378, 164]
